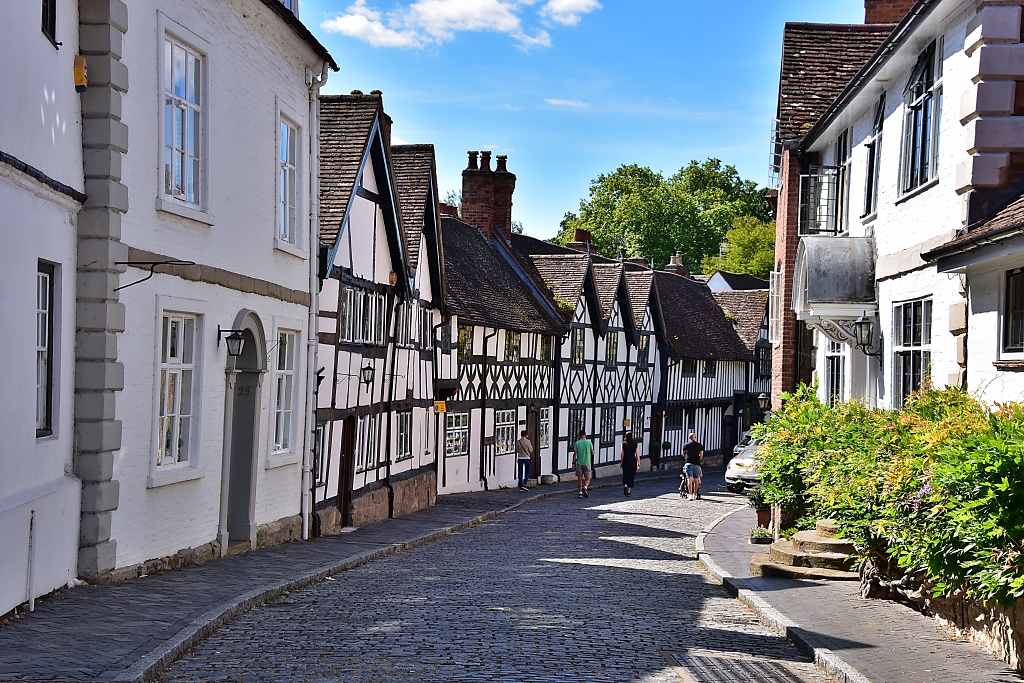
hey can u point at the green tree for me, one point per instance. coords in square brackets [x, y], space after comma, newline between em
[638, 212]
[750, 248]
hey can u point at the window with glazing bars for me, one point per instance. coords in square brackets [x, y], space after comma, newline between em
[611, 348]
[320, 455]
[763, 353]
[183, 122]
[775, 307]
[50, 20]
[426, 326]
[44, 350]
[545, 347]
[578, 346]
[710, 368]
[403, 442]
[874, 161]
[367, 438]
[818, 207]
[637, 423]
[284, 391]
[912, 338]
[607, 427]
[178, 392]
[642, 352]
[465, 342]
[544, 435]
[505, 431]
[456, 434]
[577, 423]
[288, 178]
[513, 346]
[835, 372]
[921, 122]
[843, 159]
[1013, 311]
[688, 367]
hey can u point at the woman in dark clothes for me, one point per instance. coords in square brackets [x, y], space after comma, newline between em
[629, 464]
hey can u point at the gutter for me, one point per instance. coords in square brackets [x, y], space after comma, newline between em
[917, 14]
[315, 84]
[974, 243]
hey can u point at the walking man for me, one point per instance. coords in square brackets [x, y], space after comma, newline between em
[524, 454]
[694, 453]
[582, 451]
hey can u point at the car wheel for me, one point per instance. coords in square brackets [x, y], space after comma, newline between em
[735, 488]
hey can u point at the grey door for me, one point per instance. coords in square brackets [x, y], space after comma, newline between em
[243, 450]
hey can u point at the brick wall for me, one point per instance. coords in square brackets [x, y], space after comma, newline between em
[787, 238]
[886, 11]
[487, 195]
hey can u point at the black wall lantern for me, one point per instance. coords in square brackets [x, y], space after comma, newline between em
[234, 340]
[765, 401]
[366, 374]
[864, 330]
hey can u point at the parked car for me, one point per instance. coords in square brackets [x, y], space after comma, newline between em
[742, 469]
[744, 442]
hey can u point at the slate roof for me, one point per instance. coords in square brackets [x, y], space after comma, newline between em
[818, 60]
[483, 289]
[639, 281]
[747, 309]
[1006, 222]
[346, 122]
[412, 167]
[743, 280]
[695, 325]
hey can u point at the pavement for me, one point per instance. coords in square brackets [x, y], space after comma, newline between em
[877, 640]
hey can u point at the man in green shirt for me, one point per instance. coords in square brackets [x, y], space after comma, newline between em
[582, 451]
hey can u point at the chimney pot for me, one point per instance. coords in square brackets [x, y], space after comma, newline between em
[376, 92]
[581, 236]
[677, 259]
[472, 161]
[356, 92]
[485, 160]
[502, 160]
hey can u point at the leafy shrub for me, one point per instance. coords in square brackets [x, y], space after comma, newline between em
[934, 487]
[756, 498]
[760, 532]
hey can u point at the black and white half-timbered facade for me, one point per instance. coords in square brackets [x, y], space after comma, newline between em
[747, 310]
[706, 368]
[379, 308]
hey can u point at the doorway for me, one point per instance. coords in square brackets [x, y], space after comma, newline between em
[533, 434]
[241, 439]
[346, 470]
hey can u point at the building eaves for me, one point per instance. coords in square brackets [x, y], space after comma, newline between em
[695, 325]
[903, 30]
[413, 169]
[639, 282]
[293, 21]
[346, 123]
[745, 309]
[1006, 222]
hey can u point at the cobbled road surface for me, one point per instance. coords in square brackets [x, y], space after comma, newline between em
[604, 590]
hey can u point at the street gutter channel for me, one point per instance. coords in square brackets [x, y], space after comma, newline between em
[153, 663]
[806, 642]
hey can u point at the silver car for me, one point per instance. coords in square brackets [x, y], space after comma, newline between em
[742, 469]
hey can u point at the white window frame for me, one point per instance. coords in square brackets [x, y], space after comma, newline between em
[835, 372]
[775, 307]
[901, 349]
[199, 211]
[544, 428]
[45, 328]
[505, 423]
[844, 162]
[278, 456]
[289, 239]
[609, 422]
[873, 162]
[932, 96]
[367, 442]
[170, 473]
[1006, 315]
[456, 434]
[403, 434]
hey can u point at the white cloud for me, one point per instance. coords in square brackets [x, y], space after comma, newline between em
[568, 12]
[558, 102]
[359, 21]
[437, 21]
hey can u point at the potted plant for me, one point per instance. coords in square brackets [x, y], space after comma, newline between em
[666, 450]
[756, 500]
[760, 535]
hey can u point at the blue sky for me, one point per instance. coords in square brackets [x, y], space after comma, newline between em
[569, 89]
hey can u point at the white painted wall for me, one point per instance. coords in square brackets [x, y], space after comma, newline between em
[40, 124]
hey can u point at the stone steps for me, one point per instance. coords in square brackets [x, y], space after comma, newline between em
[816, 554]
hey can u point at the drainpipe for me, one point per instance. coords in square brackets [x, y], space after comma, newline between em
[314, 289]
[483, 406]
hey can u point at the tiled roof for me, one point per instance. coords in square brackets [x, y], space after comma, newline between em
[639, 281]
[746, 308]
[1007, 221]
[413, 169]
[345, 125]
[743, 280]
[564, 276]
[818, 60]
[607, 277]
[530, 246]
[483, 289]
[695, 325]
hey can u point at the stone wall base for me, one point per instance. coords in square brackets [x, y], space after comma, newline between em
[415, 493]
[998, 630]
[411, 494]
[370, 507]
[283, 530]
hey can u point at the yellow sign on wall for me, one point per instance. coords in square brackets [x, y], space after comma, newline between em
[440, 407]
[81, 74]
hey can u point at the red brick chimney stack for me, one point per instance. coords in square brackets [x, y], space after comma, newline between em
[675, 265]
[581, 240]
[487, 195]
[886, 11]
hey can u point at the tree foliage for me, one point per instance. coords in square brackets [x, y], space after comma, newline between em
[639, 212]
[750, 249]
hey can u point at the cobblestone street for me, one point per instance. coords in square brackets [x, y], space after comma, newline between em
[602, 589]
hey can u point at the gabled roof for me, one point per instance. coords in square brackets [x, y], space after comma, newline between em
[695, 325]
[564, 275]
[741, 280]
[346, 122]
[293, 21]
[482, 287]
[413, 168]
[818, 60]
[1006, 222]
[608, 277]
[639, 282]
[746, 308]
